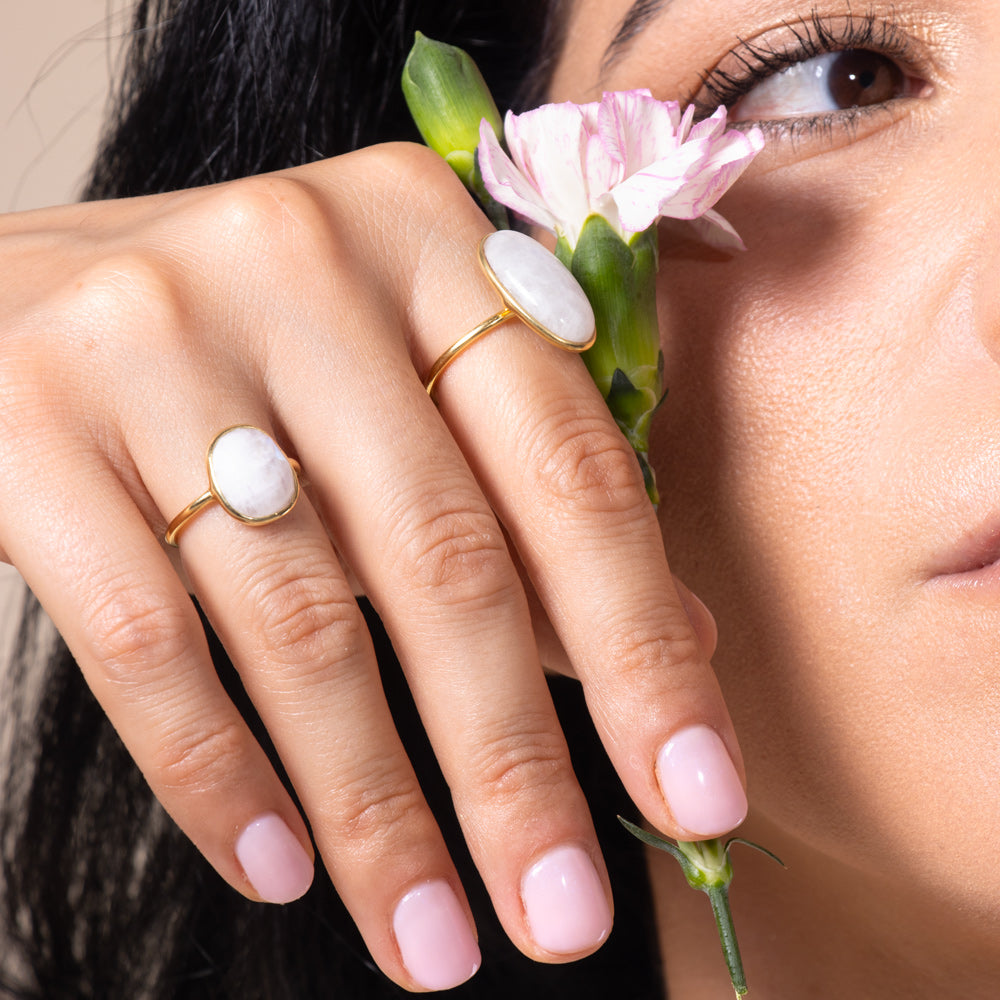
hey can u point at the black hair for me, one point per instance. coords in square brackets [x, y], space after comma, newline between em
[101, 896]
[216, 89]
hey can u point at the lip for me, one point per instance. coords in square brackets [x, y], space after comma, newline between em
[975, 560]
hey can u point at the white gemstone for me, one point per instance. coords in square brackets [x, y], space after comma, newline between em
[541, 286]
[250, 475]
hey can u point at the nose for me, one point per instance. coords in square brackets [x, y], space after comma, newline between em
[964, 269]
[984, 277]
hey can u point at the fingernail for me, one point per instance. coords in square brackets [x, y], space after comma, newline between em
[438, 947]
[565, 903]
[273, 860]
[700, 783]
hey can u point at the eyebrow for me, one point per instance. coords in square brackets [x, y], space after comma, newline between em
[638, 16]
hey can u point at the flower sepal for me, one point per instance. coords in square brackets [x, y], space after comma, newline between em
[707, 867]
[626, 362]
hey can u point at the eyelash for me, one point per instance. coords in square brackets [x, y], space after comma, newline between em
[813, 37]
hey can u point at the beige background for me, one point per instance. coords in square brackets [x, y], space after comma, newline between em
[56, 60]
[56, 57]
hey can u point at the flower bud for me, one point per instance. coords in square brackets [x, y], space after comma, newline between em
[448, 98]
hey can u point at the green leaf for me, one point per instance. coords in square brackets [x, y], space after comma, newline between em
[661, 844]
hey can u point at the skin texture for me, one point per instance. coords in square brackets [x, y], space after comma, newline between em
[133, 333]
[828, 459]
[830, 455]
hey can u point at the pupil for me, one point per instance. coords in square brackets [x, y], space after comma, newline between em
[859, 78]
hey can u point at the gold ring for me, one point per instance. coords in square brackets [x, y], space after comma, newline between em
[249, 476]
[536, 288]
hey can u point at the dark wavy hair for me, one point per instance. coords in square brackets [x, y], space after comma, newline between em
[101, 896]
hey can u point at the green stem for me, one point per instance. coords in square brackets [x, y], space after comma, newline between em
[718, 896]
[707, 867]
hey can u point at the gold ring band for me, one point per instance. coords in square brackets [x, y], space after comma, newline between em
[249, 476]
[521, 268]
[462, 343]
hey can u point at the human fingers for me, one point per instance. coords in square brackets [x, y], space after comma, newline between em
[284, 610]
[554, 657]
[210, 322]
[412, 523]
[568, 490]
[290, 621]
[139, 642]
[144, 347]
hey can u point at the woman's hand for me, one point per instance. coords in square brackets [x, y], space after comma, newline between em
[310, 303]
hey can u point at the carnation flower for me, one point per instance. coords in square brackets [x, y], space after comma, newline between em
[629, 158]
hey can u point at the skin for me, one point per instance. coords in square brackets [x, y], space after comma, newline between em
[135, 331]
[827, 450]
[830, 449]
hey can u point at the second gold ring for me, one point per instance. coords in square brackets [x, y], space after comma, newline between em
[536, 288]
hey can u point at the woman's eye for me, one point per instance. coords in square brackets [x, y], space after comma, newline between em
[833, 81]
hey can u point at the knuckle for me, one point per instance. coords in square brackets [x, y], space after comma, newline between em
[588, 466]
[522, 760]
[124, 305]
[199, 760]
[458, 554]
[414, 191]
[131, 295]
[415, 168]
[378, 806]
[637, 651]
[133, 633]
[259, 218]
[304, 614]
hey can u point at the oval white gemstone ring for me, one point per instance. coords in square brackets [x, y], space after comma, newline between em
[249, 476]
[537, 288]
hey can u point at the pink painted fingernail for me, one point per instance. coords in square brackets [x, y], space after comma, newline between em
[700, 783]
[273, 860]
[565, 903]
[437, 945]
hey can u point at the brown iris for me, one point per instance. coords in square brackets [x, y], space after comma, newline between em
[860, 78]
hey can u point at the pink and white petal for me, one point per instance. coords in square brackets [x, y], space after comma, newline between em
[722, 168]
[591, 115]
[709, 128]
[735, 146]
[712, 171]
[606, 207]
[625, 125]
[641, 198]
[641, 128]
[695, 197]
[549, 146]
[507, 184]
[551, 137]
[637, 210]
[601, 170]
[717, 232]
[665, 177]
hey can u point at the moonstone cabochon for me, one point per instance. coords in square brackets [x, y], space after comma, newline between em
[250, 475]
[536, 284]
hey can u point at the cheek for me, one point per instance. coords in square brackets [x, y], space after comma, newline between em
[809, 392]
